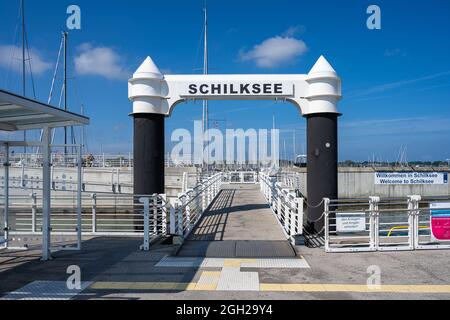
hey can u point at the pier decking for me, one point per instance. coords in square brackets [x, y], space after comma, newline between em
[238, 224]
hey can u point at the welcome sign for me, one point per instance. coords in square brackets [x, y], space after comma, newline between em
[411, 178]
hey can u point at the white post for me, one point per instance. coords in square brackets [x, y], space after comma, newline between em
[155, 214]
[204, 195]
[33, 212]
[22, 176]
[180, 220]
[188, 215]
[209, 189]
[94, 212]
[46, 195]
[326, 208]
[413, 220]
[297, 222]
[173, 230]
[146, 203]
[164, 214]
[185, 181]
[79, 200]
[6, 222]
[273, 190]
[218, 184]
[287, 210]
[279, 199]
[374, 222]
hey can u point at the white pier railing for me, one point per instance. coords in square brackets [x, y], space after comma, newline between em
[387, 224]
[240, 177]
[190, 206]
[101, 214]
[187, 210]
[286, 205]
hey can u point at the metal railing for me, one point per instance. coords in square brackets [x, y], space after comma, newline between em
[102, 214]
[285, 204]
[432, 222]
[388, 224]
[102, 160]
[188, 209]
[63, 179]
[240, 177]
[154, 215]
[34, 160]
[289, 180]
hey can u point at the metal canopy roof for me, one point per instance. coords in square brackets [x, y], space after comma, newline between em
[19, 113]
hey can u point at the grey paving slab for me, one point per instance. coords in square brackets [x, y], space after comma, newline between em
[232, 279]
[294, 263]
[211, 249]
[263, 249]
[46, 290]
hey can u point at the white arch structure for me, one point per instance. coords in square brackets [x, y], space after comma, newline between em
[315, 94]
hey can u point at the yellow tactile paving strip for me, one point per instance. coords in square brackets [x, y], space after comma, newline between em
[237, 262]
[193, 286]
[209, 281]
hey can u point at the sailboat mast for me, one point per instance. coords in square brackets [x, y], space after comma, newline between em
[65, 35]
[22, 4]
[23, 48]
[205, 66]
[205, 72]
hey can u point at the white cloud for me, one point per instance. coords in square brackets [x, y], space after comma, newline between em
[100, 61]
[294, 31]
[11, 58]
[276, 51]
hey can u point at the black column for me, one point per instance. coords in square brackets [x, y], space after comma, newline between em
[322, 181]
[149, 153]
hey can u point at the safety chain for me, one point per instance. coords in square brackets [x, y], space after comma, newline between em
[316, 220]
[314, 207]
[320, 231]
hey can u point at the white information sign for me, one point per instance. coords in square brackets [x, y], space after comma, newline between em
[411, 178]
[350, 222]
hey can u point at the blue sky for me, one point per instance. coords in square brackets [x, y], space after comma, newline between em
[396, 80]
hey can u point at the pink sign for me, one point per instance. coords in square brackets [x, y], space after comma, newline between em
[440, 221]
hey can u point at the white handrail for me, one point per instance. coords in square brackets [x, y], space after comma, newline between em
[190, 206]
[391, 224]
[285, 204]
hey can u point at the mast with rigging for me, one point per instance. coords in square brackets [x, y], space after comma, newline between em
[22, 5]
[205, 114]
[65, 36]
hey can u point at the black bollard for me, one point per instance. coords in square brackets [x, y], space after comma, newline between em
[322, 181]
[149, 150]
